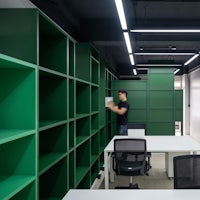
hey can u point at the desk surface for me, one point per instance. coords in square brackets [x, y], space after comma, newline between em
[163, 144]
[132, 194]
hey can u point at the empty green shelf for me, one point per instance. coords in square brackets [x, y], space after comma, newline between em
[46, 124]
[81, 139]
[80, 173]
[94, 158]
[11, 185]
[7, 135]
[48, 160]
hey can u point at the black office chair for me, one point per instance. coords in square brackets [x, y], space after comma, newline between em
[187, 172]
[142, 127]
[130, 159]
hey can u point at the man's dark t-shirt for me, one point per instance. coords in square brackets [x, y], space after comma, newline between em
[122, 119]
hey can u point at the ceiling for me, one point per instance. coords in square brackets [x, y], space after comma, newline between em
[97, 21]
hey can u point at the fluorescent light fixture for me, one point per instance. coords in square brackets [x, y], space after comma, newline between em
[176, 71]
[163, 54]
[131, 59]
[158, 65]
[120, 10]
[165, 30]
[134, 71]
[191, 59]
[128, 42]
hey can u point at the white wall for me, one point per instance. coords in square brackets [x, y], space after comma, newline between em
[195, 104]
[16, 4]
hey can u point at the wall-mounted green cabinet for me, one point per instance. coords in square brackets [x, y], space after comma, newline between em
[53, 126]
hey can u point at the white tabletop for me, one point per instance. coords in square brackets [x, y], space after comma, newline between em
[164, 144]
[132, 194]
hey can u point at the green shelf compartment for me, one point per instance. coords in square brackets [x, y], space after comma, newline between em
[95, 170]
[85, 183]
[103, 138]
[101, 158]
[18, 36]
[82, 95]
[17, 94]
[52, 46]
[94, 99]
[83, 61]
[82, 161]
[72, 170]
[71, 97]
[52, 146]
[27, 193]
[94, 123]
[72, 137]
[53, 183]
[95, 147]
[82, 130]
[52, 99]
[94, 71]
[18, 166]
[71, 60]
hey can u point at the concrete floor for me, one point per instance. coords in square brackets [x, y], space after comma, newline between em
[157, 178]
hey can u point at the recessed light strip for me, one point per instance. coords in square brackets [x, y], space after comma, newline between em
[165, 30]
[120, 10]
[176, 71]
[134, 71]
[158, 65]
[163, 54]
[191, 59]
[128, 42]
[131, 59]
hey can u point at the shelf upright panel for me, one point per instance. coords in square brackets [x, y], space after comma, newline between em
[72, 169]
[52, 45]
[71, 99]
[52, 99]
[53, 183]
[71, 58]
[95, 148]
[19, 33]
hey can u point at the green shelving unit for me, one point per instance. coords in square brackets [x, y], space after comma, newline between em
[53, 121]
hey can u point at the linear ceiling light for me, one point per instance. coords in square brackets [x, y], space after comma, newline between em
[158, 65]
[120, 10]
[191, 59]
[176, 71]
[165, 30]
[128, 42]
[131, 59]
[163, 54]
[134, 71]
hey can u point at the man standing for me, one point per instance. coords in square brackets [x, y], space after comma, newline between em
[122, 112]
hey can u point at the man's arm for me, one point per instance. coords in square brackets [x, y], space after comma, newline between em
[115, 108]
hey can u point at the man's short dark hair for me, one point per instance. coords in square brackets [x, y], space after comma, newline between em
[123, 91]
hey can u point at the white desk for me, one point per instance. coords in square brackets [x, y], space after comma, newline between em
[171, 145]
[132, 194]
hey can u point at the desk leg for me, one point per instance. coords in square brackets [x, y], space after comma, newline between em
[106, 170]
[169, 162]
[111, 169]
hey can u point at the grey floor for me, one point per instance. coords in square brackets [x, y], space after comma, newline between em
[157, 178]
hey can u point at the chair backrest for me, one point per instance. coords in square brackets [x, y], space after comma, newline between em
[136, 130]
[187, 172]
[130, 156]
